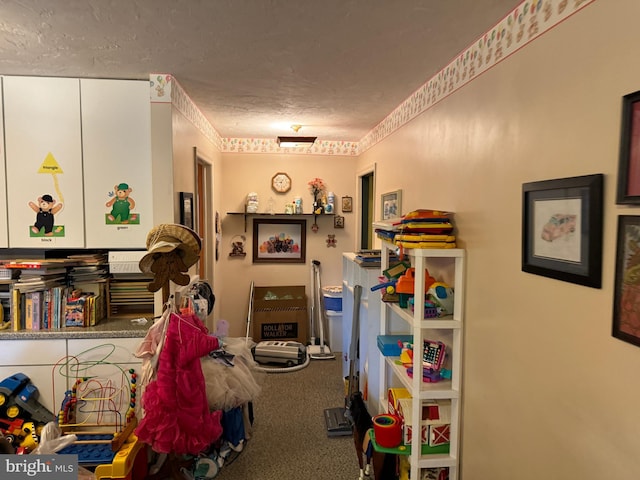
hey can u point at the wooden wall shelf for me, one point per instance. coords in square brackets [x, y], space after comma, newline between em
[280, 215]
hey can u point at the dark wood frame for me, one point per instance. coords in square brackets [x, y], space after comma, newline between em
[582, 250]
[338, 221]
[626, 320]
[628, 191]
[186, 209]
[298, 229]
[347, 204]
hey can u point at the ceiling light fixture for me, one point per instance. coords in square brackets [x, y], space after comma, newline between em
[292, 142]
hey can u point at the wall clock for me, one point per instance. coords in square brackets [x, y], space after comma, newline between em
[281, 182]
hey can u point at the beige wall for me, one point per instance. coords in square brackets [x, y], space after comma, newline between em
[548, 392]
[244, 173]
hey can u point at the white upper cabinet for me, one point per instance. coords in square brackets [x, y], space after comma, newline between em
[43, 162]
[116, 145]
[4, 229]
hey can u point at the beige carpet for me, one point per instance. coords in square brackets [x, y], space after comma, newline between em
[289, 439]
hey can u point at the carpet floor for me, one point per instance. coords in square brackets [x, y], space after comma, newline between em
[289, 438]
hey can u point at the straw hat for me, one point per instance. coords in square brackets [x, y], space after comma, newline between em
[169, 237]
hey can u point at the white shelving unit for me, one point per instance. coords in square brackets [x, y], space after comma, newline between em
[369, 360]
[445, 265]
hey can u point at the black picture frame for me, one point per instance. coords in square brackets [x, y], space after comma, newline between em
[186, 209]
[347, 204]
[628, 188]
[279, 240]
[562, 229]
[338, 221]
[626, 317]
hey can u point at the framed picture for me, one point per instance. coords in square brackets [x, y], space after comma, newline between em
[391, 205]
[629, 162]
[347, 204]
[186, 209]
[562, 229]
[626, 303]
[279, 241]
[338, 221]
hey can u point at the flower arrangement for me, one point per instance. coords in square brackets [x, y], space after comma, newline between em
[317, 187]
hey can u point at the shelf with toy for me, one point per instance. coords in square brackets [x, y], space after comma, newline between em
[432, 267]
[441, 389]
[407, 315]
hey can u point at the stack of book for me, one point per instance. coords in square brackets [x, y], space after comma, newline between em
[372, 258]
[39, 274]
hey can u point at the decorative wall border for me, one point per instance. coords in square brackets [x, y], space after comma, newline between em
[525, 23]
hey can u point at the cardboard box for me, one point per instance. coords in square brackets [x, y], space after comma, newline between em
[280, 313]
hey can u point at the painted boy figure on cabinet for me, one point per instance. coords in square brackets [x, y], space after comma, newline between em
[122, 205]
[45, 210]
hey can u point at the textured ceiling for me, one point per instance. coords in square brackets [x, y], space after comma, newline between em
[337, 67]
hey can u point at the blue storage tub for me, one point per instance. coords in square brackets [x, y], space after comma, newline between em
[332, 298]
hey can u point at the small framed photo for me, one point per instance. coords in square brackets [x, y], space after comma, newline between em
[338, 221]
[628, 191]
[186, 209]
[391, 205]
[626, 320]
[347, 204]
[562, 229]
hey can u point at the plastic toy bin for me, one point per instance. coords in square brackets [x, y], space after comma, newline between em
[332, 298]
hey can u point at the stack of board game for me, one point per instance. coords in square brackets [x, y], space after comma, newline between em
[425, 229]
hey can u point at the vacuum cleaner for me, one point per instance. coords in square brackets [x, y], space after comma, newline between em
[318, 350]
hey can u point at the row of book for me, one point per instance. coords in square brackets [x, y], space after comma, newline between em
[57, 307]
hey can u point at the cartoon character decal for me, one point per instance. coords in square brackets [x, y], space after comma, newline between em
[45, 209]
[121, 205]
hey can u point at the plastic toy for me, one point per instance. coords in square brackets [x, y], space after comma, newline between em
[406, 284]
[19, 397]
[441, 295]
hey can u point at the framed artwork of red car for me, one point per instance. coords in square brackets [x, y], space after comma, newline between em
[562, 229]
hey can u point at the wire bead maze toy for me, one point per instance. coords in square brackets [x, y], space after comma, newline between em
[100, 406]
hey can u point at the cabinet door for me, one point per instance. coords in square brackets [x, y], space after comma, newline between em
[4, 230]
[44, 162]
[116, 143]
[38, 360]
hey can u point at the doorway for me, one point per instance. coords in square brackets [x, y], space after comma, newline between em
[203, 218]
[366, 189]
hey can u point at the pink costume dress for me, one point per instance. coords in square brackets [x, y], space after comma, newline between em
[177, 417]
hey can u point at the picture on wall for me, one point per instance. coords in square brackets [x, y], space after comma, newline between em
[186, 209]
[562, 229]
[279, 240]
[391, 205]
[629, 162]
[626, 304]
[347, 204]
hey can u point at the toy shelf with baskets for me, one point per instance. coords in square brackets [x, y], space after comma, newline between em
[447, 265]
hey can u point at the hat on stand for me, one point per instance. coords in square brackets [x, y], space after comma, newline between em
[169, 237]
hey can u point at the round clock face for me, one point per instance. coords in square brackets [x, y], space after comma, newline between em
[281, 182]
